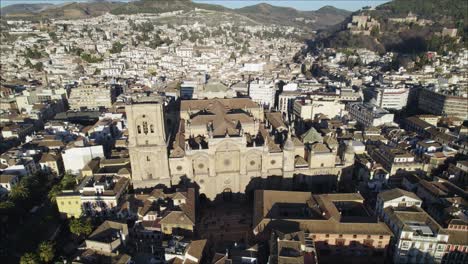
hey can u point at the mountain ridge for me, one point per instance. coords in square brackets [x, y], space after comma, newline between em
[262, 12]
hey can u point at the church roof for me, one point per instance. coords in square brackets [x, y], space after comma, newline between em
[276, 120]
[232, 103]
[297, 142]
[223, 120]
[300, 161]
[320, 148]
[311, 136]
[215, 86]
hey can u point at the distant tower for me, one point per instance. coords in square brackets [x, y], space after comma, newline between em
[147, 142]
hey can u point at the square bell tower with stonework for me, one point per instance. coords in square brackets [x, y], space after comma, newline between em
[147, 141]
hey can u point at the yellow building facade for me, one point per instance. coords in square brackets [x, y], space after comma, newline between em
[69, 205]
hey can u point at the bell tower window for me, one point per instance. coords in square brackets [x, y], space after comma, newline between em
[139, 129]
[145, 127]
[152, 128]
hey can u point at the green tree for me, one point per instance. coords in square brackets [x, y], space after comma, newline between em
[56, 190]
[29, 258]
[375, 31]
[6, 205]
[38, 66]
[28, 63]
[33, 53]
[81, 226]
[19, 192]
[90, 58]
[68, 182]
[46, 251]
[116, 47]
[53, 36]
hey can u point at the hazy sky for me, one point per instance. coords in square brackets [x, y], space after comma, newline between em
[351, 5]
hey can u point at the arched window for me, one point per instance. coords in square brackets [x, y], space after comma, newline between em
[147, 158]
[145, 127]
[152, 128]
[139, 129]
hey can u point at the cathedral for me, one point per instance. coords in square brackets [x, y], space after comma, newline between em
[221, 144]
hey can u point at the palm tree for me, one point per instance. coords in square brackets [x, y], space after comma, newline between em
[81, 226]
[29, 258]
[56, 190]
[46, 251]
[19, 192]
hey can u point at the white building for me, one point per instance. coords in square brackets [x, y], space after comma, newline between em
[186, 52]
[396, 198]
[91, 96]
[309, 109]
[76, 158]
[391, 98]
[101, 195]
[253, 67]
[286, 101]
[263, 92]
[290, 87]
[418, 237]
[369, 115]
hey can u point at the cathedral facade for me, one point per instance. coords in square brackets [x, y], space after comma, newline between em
[221, 144]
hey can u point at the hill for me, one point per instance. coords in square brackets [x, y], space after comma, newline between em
[428, 9]
[262, 13]
[73, 10]
[405, 26]
[161, 6]
[16, 9]
[268, 14]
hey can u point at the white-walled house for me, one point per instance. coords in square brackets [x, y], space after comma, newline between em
[76, 158]
[396, 198]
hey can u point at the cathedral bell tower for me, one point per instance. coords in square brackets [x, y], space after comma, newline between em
[147, 141]
[288, 157]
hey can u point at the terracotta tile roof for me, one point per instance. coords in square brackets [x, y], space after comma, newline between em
[176, 217]
[7, 178]
[323, 216]
[47, 157]
[276, 120]
[320, 148]
[395, 193]
[233, 103]
[196, 248]
[51, 143]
